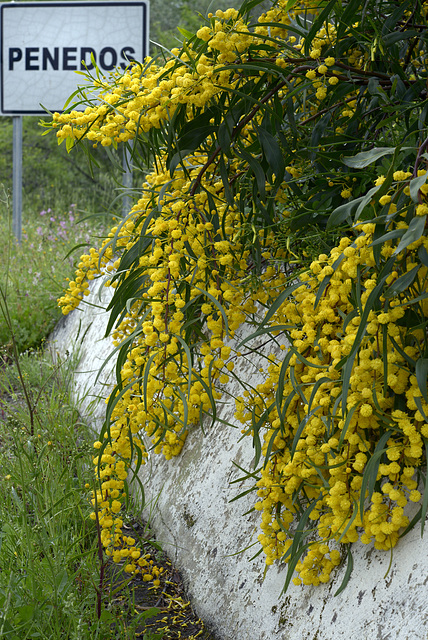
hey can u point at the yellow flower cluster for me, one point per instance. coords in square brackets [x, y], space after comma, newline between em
[195, 267]
[322, 440]
[146, 95]
[179, 265]
[190, 270]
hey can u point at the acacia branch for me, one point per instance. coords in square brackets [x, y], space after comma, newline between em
[243, 123]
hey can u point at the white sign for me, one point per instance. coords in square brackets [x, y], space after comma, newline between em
[43, 44]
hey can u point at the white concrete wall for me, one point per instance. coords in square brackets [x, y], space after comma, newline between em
[188, 503]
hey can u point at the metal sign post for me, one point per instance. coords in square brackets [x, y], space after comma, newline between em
[17, 178]
[126, 181]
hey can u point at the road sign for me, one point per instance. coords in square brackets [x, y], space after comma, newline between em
[43, 44]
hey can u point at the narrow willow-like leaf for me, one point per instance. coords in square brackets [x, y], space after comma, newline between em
[281, 381]
[418, 403]
[365, 158]
[219, 307]
[349, 569]
[264, 331]
[421, 372]
[413, 233]
[343, 213]
[256, 438]
[316, 386]
[424, 507]
[272, 151]
[270, 447]
[317, 23]
[325, 282]
[346, 425]
[390, 235]
[297, 549]
[299, 431]
[402, 283]
[350, 521]
[416, 184]
[423, 255]
[209, 391]
[370, 471]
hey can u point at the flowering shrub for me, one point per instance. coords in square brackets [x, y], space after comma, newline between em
[256, 133]
[344, 416]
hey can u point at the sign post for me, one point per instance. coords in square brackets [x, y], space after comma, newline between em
[43, 44]
[17, 178]
[127, 180]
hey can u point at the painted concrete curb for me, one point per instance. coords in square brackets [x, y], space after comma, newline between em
[188, 504]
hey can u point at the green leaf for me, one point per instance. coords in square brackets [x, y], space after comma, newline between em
[189, 362]
[370, 471]
[397, 36]
[219, 307]
[177, 159]
[347, 362]
[316, 386]
[365, 200]
[297, 548]
[300, 429]
[365, 158]
[26, 612]
[346, 425]
[348, 572]
[193, 139]
[69, 143]
[415, 186]
[421, 372]
[423, 255]
[184, 32]
[256, 168]
[390, 235]
[323, 285]
[418, 403]
[402, 283]
[343, 213]
[272, 152]
[414, 232]
[318, 24]
[290, 4]
[271, 311]
[424, 507]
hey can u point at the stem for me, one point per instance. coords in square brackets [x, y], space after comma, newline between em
[100, 557]
[320, 113]
[419, 156]
[237, 129]
[5, 311]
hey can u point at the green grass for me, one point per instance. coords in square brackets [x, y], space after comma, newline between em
[53, 575]
[47, 549]
[55, 580]
[51, 580]
[34, 273]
